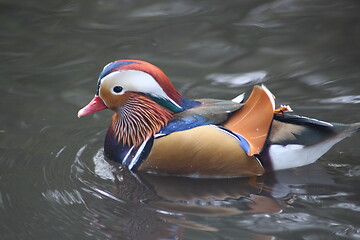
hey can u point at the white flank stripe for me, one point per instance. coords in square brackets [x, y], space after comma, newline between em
[157, 135]
[137, 155]
[127, 155]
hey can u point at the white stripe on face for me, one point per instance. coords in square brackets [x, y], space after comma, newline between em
[134, 81]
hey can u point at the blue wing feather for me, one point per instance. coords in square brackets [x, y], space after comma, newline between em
[185, 123]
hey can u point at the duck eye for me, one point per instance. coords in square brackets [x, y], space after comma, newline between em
[117, 89]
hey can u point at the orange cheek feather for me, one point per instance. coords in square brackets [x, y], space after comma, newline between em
[113, 101]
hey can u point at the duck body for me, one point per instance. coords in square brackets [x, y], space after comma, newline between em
[190, 144]
[156, 129]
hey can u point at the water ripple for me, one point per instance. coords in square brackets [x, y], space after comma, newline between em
[238, 79]
[352, 99]
[350, 206]
[173, 9]
[63, 197]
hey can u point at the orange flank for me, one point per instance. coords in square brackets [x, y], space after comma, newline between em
[197, 152]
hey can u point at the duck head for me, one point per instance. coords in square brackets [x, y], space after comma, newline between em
[121, 79]
[140, 94]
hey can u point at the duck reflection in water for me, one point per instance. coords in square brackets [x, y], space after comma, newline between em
[156, 207]
[151, 206]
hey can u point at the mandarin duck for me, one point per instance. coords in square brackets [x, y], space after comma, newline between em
[156, 129]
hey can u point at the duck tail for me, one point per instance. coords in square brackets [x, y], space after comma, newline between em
[296, 141]
[352, 128]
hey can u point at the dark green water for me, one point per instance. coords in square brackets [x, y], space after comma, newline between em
[54, 183]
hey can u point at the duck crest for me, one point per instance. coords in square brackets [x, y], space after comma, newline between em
[138, 120]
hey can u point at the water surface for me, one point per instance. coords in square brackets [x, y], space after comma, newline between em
[54, 182]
